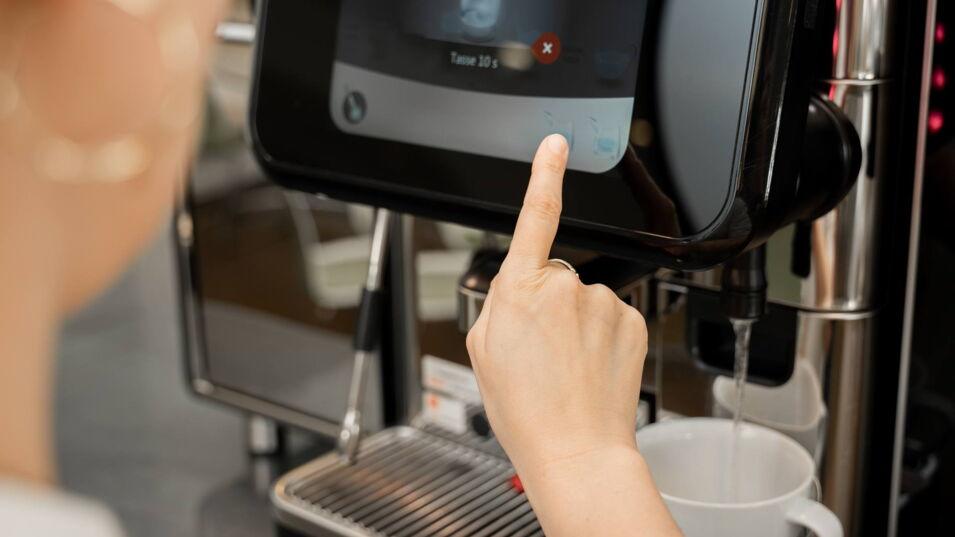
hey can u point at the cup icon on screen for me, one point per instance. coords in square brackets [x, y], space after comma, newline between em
[606, 140]
[559, 126]
[479, 18]
[355, 107]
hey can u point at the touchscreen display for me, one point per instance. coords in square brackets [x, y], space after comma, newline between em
[490, 77]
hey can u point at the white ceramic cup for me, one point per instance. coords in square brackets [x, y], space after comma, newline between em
[718, 484]
[795, 409]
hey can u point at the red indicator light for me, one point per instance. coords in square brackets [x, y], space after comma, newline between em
[939, 33]
[935, 121]
[938, 78]
[516, 484]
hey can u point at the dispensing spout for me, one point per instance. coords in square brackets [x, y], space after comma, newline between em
[743, 295]
[744, 301]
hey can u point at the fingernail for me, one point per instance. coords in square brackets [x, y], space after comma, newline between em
[557, 144]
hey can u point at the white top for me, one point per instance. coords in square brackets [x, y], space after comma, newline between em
[39, 512]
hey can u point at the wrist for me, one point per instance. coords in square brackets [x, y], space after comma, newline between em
[585, 465]
[611, 486]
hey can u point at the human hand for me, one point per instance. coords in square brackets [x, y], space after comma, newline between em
[558, 362]
[559, 366]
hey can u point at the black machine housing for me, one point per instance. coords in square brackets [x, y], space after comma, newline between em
[714, 144]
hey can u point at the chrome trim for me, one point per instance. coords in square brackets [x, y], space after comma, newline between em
[236, 33]
[406, 310]
[262, 435]
[863, 39]
[843, 347]
[853, 82]
[350, 435]
[379, 242]
[680, 285]
[845, 241]
[843, 273]
[470, 304]
[840, 316]
[194, 348]
[912, 269]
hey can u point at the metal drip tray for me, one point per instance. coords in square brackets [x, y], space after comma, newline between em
[407, 482]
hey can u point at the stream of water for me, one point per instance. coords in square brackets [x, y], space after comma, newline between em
[743, 329]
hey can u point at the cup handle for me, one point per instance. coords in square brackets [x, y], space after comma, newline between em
[816, 517]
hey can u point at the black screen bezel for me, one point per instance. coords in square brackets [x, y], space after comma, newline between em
[286, 152]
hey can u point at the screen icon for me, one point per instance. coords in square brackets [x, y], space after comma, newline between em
[556, 125]
[547, 48]
[355, 107]
[479, 18]
[606, 140]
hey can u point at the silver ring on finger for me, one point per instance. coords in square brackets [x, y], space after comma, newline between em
[563, 264]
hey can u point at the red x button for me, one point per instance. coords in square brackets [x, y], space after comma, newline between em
[547, 48]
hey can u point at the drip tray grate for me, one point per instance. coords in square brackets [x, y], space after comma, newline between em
[407, 482]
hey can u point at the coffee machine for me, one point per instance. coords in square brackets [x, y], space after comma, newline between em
[758, 144]
[830, 293]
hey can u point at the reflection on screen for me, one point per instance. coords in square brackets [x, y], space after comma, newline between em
[490, 77]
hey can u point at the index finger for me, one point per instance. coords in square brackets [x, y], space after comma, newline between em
[540, 215]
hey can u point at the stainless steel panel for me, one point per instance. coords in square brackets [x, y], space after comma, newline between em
[845, 346]
[844, 242]
[862, 39]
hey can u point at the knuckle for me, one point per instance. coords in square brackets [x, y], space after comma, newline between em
[471, 342]
[636, 322]
[604, 294]
[563, 281]
[633, 332]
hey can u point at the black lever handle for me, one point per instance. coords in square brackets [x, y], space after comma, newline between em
[831, 158]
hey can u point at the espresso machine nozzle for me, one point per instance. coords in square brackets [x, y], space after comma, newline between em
[743, 294]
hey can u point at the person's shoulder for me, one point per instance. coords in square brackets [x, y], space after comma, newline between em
[27, 510]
